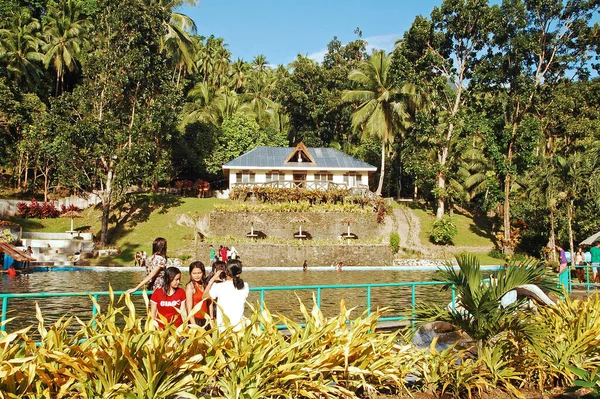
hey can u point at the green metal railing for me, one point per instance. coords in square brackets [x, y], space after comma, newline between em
[317, 289]
[588, 284]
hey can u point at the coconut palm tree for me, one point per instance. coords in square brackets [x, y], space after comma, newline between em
[177, 41]
[64, 32]
[383, 108]
[239, 73]
[20, 48]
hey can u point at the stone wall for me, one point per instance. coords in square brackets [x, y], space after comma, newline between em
[320, 225]
[273, 255]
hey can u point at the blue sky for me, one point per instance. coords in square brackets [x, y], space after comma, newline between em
[282, 29]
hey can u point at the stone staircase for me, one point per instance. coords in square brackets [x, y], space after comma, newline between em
[57, 249]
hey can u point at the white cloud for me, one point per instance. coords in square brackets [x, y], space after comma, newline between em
[379, 42]
[319, 56]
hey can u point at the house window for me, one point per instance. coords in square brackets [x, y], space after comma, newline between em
[275, 176]
[352, 179]
[323, 176]
[244, 177]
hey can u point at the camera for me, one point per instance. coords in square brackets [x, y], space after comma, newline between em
[222, 275]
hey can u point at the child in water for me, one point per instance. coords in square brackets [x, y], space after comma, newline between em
[168, 302]
[194, 292]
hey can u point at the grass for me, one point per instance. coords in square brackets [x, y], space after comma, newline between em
[136, 222]
[473, 231]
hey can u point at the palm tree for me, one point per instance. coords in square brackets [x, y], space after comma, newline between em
[480, 314]
[177, 41]
[239, 73]
[383, 108]
[257, 98]
[64, 31]
[19, 48]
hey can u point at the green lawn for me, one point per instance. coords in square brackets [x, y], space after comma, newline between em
[472, 231]
[136, 223]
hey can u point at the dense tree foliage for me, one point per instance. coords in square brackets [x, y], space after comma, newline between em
[492, 106]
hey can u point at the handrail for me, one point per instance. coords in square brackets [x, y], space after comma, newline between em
[261, 290]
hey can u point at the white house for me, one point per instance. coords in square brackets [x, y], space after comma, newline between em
[312, 168]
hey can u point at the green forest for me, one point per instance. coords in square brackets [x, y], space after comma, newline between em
[488, 106]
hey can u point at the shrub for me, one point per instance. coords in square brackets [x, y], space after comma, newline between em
[394, 241]
[496, 254]
[444, 231]
[65, 209]
[34, 210]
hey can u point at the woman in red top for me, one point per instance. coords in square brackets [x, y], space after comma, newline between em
[168, 302]
[194, 291]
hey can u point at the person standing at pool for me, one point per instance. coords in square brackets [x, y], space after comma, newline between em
[562, 259]
[213, 256]
[155, 266]
[595, 252]
[194, 293]
[231, 293]
[223, 252]
[168, 303]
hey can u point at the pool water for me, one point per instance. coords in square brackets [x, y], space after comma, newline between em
[397, 299]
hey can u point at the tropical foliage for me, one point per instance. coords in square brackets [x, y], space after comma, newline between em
[121, 354]
[490, 106]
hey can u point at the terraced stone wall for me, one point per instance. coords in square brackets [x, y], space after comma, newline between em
[320, 225]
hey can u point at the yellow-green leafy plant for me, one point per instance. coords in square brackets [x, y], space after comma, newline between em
[16, 358]
[571, 338]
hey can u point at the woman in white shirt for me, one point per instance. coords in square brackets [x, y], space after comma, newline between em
[230, 292]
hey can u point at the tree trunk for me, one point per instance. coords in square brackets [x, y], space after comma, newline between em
[381, 176]
[506, 246]
[552, 242]
[440, 201]
[106, 205]
[570, 219]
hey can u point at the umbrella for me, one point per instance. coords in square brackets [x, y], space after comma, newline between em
[72, 215]
[254, 219]
[348, 221]
[590, 240]
[300, 219]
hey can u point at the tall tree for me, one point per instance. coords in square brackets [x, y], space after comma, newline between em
[534, 43]
[118, 122]
[444, 52]
[383, 109]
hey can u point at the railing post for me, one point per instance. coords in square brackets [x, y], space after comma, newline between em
[319, 297]
[413, 288]
[369, 300]
[453, 297]
[4, 310]
[262, 299]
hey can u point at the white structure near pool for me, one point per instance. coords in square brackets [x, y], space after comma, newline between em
[311, 168]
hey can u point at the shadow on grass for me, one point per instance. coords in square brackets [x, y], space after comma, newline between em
[26, 224]
[137, 208]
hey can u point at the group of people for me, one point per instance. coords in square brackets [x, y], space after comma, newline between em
[223, 254]
[140, 258]
[579, 260]
[219, 296]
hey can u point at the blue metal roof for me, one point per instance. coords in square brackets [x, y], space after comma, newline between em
[274, 157]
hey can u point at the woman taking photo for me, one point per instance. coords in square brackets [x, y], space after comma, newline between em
[230, 292]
